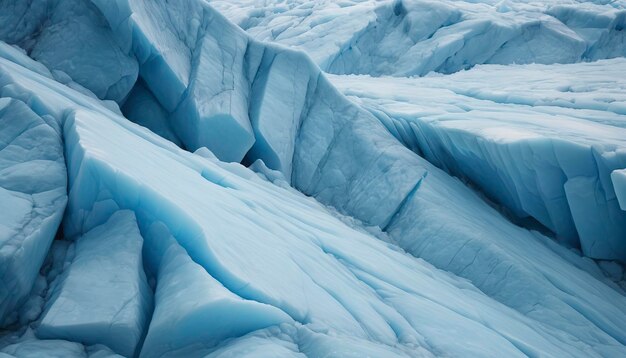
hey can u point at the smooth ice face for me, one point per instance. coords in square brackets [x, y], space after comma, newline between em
[103, 296]
[543, 143]
[32, 199]
[401, 38]
[279, 94]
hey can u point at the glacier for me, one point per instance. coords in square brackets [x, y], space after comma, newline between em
[549, 159]
[411, 37]
[179, 186]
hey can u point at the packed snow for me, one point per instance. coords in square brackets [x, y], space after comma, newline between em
[227, 197]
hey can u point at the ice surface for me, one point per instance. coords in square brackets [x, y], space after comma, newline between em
[24, 344]
[407, 261]
[276, 109]
[143, 108]
[619, 184]
[192, 60]
[193, 308]
[32, 199]
[286, 242]
[16, 54]
[224, 215]
[89, 55]
[543, 144]
[402, 38]
[33, 348]
[103, 296]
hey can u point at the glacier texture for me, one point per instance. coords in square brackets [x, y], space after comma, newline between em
[89, 53]
[347, 234]
[33, 196]
[549, 159]
[103, 297]
[409, 37]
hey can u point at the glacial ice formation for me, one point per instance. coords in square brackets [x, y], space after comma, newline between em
[187, 298]
[549, 158]
[32, 199]
[347, 235]
[103, 296]
[619, 183]
[34, 348]
[133, 169]
[298, 239]
[192, 60]
[73, 37]
[414, 37]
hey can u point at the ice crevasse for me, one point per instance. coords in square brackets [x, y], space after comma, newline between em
[232, 262]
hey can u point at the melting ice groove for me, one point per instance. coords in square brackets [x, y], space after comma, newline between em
[476, 211]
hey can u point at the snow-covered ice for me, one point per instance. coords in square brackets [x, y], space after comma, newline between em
[414, 37]
[543, 144]
[298, 249]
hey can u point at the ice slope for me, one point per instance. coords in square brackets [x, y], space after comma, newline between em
[415, 37]
[306, 268]
[103, 296]
[543, 144]
[345, 288]
[32, 199]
